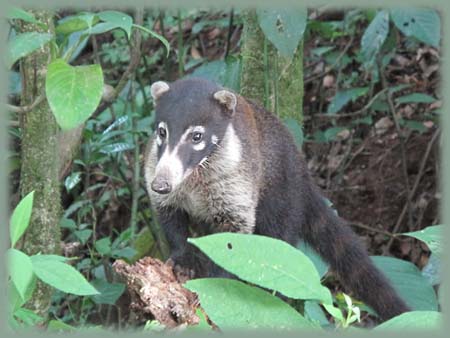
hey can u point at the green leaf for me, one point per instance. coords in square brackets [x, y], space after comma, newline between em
[432, 236]
[321, 266]
[231, 304]
[67, 223]
[432, 271]
[103, 246]
[58, 325]
[408, 281]
[28, 317]
[283, 27]
[20, 218]
[345, 96]
[127, 253]
[118, 19]
[283, 268]
[413, 125]
[227, 73]
[73, 93]
[61, 276]
[72, 180]
[19, 13]
[422, 23]
[116, 147]
[20, 270]
[109, 292]
[314, 312]
[75, 23]
[56, 258]
[23, 44]
[296, 130]
[375, 35]
[155, 35]
[83, 235]
[415, 98]
[413, 321]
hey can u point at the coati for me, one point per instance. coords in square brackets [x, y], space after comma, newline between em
[224, 163]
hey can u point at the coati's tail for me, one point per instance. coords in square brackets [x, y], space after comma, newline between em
[341, 248]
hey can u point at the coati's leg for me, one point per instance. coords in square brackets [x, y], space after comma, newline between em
[183, 256]
[341, 248]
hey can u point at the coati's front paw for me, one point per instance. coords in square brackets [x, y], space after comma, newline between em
[182, 272]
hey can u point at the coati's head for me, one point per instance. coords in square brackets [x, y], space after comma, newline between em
[193, 117]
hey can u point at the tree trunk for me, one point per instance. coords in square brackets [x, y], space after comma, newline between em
[268, 77]
[40, 163]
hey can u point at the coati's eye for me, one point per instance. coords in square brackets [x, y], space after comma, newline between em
[197, 137]
[162, 132]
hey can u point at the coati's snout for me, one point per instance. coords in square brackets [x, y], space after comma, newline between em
[161, 185]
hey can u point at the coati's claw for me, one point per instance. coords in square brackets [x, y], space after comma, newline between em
[182, 274]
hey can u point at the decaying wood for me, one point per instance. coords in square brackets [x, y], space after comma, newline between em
[156, 292]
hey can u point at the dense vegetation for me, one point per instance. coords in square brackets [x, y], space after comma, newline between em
[370, 78]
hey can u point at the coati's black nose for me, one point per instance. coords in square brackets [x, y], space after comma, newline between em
[161, 186]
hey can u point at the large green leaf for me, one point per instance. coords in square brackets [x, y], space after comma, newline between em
[118, 19]
[345, 96]
[267, 262]
[231, 304]
[20, 270]
[415, 320]
[23, 44]
[375, 35]
[61, 276]
[422, 23]
[283, 27]
[432, 236]
[408, 281]
[20, 219]
[73, 92]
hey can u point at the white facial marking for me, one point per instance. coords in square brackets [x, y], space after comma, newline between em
[161, 124]
[199, 146]
[232, 147]
[170, 164]
[197, 129]
[214, 139]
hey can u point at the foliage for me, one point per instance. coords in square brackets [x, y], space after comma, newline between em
[275, 265]
[82, 85]
[283, 27]
[24, 269]
[98, 188]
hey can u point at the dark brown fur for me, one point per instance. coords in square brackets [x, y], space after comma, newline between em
[290, 206]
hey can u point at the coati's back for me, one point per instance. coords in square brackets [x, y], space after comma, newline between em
[220, 159]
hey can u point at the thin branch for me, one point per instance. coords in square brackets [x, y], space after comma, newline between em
[372, 229]
[414, 188]
[230, 27]
[334, 65]
[25, 109]
[357, 112]
[135, 56]
[402, 142]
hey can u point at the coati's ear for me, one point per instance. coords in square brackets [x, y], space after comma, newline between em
[227, 99]
[158, 88]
